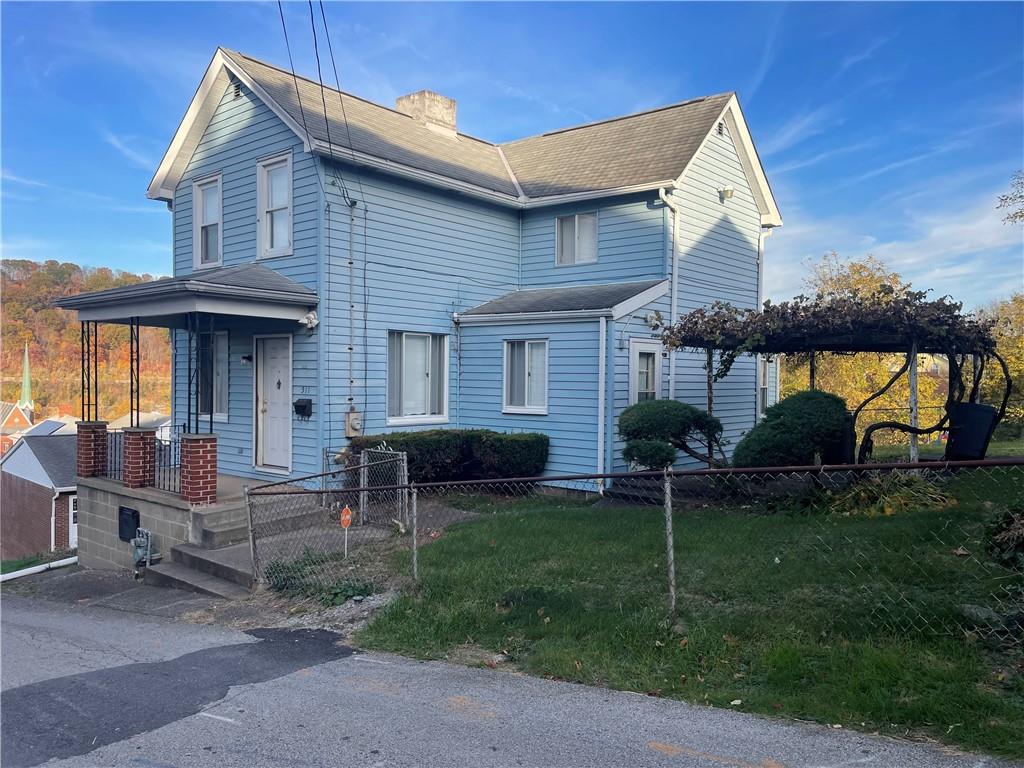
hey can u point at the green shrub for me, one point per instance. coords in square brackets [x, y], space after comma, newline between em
[671, 423]
[794, 431]
[652, 454]
[439, 455]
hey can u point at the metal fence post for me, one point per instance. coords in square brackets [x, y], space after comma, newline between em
[364, 475]
[252, 535]
[670, 548]
[415, 543]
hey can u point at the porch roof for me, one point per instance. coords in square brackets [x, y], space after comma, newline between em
[250, 290]
[613, 300]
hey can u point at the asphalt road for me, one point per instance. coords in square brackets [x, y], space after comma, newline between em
[86, 685]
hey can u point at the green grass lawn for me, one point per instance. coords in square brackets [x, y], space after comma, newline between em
[997, 448]
[782, 611]
[8, 566]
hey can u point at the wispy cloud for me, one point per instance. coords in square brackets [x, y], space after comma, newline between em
[820, 157]
[14, 178]
[941, 149]
[130, 153]
[799, 128]
[862, 55]
[768, 53]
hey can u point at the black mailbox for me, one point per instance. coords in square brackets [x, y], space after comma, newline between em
[303, 407]
[127, 523]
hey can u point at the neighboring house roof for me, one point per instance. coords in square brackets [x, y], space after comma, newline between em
[614, 300]
[47, 460]
[53, 426]
[637, 152]
[227, 290]
[147, 420]
[13, 419]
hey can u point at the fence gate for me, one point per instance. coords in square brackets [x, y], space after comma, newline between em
[327, 535]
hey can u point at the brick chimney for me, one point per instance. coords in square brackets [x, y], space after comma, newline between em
[432, 109]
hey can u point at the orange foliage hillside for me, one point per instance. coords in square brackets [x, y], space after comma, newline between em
[28, 291]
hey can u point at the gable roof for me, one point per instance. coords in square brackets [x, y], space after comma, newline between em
[608, 300]
[9, 411]
[639, 152]
[54, 456]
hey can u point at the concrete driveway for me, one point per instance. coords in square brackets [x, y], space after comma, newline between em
[91, 684]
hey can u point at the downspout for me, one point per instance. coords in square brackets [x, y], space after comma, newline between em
[53, 520]
[323, 420]
[663, 193]
[601, 395]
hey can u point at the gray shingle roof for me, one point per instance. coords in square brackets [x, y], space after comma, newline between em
[244, 281]
[56, 454]
[572, 299]
[637, 149]
[644, 148]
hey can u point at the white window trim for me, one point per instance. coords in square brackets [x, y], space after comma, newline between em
[763, 377]
[197, 222]
[576, 230]
[262, 251]
[528, 410]
[408, 421]
[217, 416]
[636, 346]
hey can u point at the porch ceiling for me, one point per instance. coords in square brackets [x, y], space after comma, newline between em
[247, 290]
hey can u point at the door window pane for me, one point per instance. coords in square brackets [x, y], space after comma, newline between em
[646, 388]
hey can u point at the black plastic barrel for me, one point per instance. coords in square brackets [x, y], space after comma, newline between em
[970, 428]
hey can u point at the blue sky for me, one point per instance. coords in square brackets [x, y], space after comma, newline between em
[884, 128]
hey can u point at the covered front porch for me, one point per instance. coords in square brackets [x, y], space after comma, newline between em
[235, 332]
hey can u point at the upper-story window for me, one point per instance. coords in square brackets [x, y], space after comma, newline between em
[274, 198]
[576, 239]
[206, 229]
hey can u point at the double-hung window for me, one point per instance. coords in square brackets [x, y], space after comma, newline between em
[207, 227]
[576, 239]
[526, 376]
[213, 374]
[645, 371]
[274, 198]
[417, 377]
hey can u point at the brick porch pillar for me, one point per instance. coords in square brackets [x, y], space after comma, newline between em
[91, 450]
[139, 457]
[199, 468]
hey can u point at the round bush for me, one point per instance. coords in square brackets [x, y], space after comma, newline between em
[650, 454]
[668, 420]
[794, 431]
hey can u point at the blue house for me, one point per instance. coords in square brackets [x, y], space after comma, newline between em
[344, 268]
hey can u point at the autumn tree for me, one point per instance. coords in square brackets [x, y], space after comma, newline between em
[855, 377]
[29, 289]
[1013, 201]
[1009, 330]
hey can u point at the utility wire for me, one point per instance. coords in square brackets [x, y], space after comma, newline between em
[323, 97]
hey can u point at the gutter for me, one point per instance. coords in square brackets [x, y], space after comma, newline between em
[674, 270]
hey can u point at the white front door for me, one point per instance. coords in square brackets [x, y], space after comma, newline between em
[73, 521]
[273, 402]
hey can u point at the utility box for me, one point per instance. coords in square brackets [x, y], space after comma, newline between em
[127, 523]
[353, 424]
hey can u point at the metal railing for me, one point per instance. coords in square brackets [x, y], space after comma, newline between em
[115, 455]
[167, 469]
[932, 547]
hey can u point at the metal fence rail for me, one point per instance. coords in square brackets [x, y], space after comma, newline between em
[885, 548]
[167, 469]
[115, 455]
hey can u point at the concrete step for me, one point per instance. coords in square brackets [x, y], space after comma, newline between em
[232, 563]
[224, 535]
[178, 576]
[230, 513]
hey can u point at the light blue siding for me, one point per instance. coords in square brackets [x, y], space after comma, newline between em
[418, 256]
[571, 421]
[630, 243]
[717, 247]
[242, 131]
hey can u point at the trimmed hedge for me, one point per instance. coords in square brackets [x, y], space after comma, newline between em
[437, 455]
[651, 454]
[794, 431]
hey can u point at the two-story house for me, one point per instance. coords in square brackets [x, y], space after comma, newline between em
[342, 267]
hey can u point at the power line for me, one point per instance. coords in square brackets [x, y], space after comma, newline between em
[323, 97]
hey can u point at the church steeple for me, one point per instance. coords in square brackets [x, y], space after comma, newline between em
[25, 401]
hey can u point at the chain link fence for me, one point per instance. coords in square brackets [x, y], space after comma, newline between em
[932, 548]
